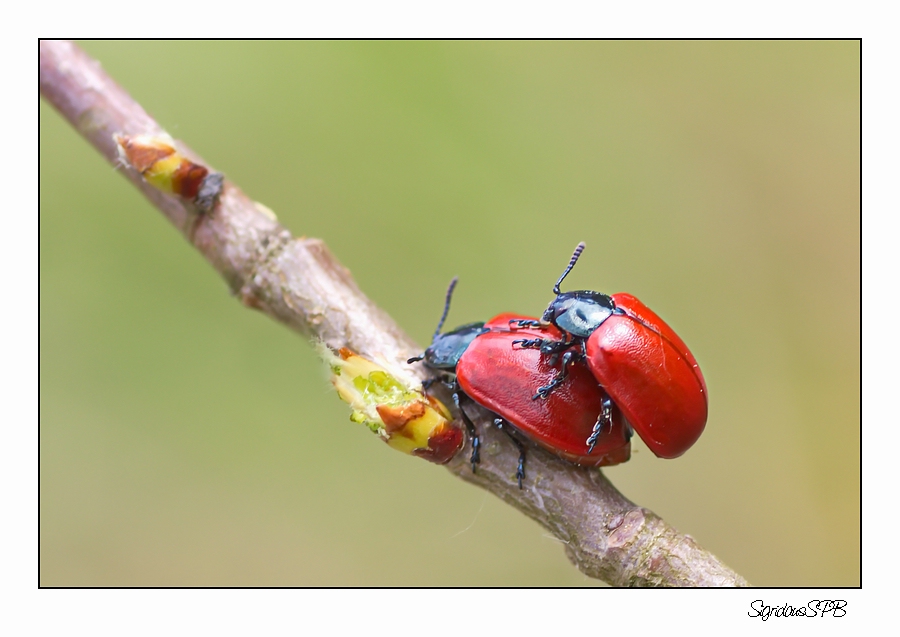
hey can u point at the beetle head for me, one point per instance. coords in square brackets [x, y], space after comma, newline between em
[581, 312]
[446, 349]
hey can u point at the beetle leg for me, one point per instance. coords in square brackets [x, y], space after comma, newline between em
[449, 380]
[544, 344]
[470, 427]
[546, 390]
[521, 323]
[567, 359]
[604, 420]
[547, 347]
[520, 469]
[555, 347]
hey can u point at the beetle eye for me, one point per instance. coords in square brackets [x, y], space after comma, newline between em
[580, 315]
[574, 321]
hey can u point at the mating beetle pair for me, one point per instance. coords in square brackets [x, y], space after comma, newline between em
[577, 381]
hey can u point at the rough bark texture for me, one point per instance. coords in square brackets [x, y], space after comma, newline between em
[299, 282]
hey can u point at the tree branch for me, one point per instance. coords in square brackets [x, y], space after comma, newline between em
[298, 282]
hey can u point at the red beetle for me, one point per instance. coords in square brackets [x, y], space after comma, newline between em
[493, 371]
[639, 361]
[498, 376]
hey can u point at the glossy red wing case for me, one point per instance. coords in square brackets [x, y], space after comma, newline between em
[633, 307]
[503, 378]
[652, 377]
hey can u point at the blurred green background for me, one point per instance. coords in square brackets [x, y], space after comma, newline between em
[188, 441]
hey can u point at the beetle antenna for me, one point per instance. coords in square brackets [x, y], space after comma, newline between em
[578, 250]
[437, 332]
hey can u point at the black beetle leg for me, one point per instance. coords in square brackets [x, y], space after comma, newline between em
[522, 323]
[546, 390]
[526, 343]
[520, 470]
[470, 427]
[604, 421]
[554, 348]
[448, 380]
[567, 359]
[548, 347]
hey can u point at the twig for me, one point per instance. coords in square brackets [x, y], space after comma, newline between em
[297, 281]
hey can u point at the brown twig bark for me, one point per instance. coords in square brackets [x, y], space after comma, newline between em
[297, 281]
